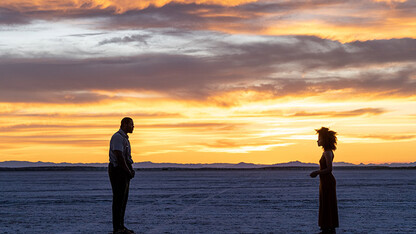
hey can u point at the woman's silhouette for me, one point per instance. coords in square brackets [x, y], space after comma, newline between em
[328, 209]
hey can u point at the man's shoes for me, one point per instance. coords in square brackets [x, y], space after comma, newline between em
[328, 231]
[128, 230]
[123, 231]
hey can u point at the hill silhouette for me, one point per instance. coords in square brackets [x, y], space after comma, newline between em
[151, 165]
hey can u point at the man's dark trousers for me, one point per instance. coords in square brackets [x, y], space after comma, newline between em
[120, 185]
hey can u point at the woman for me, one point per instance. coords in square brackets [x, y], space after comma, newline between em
[328, 209]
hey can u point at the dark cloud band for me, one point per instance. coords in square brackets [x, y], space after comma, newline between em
[261, 66]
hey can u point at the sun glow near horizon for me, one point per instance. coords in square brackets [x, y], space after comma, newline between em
[169, 131]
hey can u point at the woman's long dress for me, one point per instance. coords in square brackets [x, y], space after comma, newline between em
[328, 209]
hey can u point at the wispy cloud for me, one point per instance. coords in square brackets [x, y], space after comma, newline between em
[54, 140]
[352, 113]
[57, 115]
[46, 127]
[127, 39]
[391, 137]
[193, 126]
[233, 147]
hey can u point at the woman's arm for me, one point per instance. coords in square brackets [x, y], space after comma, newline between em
[328, 169]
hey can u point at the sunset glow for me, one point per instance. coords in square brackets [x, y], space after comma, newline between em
[208, 81]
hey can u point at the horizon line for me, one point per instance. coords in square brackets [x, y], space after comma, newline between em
[262, 164]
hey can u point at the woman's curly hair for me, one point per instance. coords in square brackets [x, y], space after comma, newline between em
[328, 137]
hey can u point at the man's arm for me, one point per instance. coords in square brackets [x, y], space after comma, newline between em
[131, 169]
[122, 163]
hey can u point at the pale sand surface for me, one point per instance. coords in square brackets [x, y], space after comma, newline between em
[249, 201]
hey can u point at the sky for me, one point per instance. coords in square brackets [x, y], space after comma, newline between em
[208, 81]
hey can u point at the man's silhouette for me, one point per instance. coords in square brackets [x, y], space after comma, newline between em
[120, 171]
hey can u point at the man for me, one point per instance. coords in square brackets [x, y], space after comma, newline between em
[120, 171]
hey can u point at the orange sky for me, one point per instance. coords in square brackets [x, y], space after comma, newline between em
[208, 81]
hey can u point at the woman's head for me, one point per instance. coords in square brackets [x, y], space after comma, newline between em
[327, 138]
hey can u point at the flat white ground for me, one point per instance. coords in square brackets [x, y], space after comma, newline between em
[220, 201]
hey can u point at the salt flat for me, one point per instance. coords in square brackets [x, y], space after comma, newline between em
[215, 201]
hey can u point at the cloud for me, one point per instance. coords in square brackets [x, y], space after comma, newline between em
[55, 115]
[357, 112]
[390, 137]
[45, 95]
[122, 13]
[10, 17]
[273, 67]
[233, 147]
[313, 52]
[86, 34]
[382, 51]
[60, 126]
[391, 1]
[225, 143]
[205, 126]
[28, 127]
[53, 140]
[127, 39]
[342, 20]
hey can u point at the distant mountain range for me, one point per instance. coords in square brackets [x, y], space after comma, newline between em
[241, 165]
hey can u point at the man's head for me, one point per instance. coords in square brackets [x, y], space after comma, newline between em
[127, 125]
